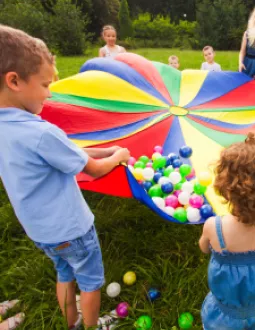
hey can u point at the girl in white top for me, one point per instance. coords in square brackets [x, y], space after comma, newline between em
[110, 50]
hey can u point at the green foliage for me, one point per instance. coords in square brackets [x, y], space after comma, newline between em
[126, 29]
[67, 28]
[25, 16]
[162, 33]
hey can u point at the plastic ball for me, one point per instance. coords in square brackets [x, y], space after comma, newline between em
[144, 159]
[129, 278]
[178, 186]
[159, 202]
[159, 162]
[147, 185]
[168, 170]
[192, 174]
[205, 178]
[177, 193]
[169, 210]
[113, 289]
[206, 211]
[155, 191]
[199, 189]
[184, 197]
[158, 149]
[131, 161]
[131, 168]
[156, 155]
[175, 177]
[193, 214]
[176, 163]
[168, 162]
[185, 321]
[185, 169]
[138, 174]
[148, 173]
[143, 323]
[171, 201]
[180, 214]
[167, 188]
[188, 187]
[185, 152]
[153, 294]
[122, 309]
[173, 156]
[157, 176]
[163, 180]
[149, 164]
[139, 164]
[196, 201]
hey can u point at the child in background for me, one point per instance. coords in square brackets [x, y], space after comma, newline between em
[230, 239]
[247, 51]
[38, 165]
[110, 50]
[174, 61]
[209, 55]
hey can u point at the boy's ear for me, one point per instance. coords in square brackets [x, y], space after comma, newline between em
[12, 81]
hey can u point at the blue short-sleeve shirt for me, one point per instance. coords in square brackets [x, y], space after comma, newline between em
[38, 164]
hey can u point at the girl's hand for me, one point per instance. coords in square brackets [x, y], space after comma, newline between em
[241, 67]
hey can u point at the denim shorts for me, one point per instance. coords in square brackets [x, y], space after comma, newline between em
[79, 259]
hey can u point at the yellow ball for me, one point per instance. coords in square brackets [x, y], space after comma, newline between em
[205, 178]
[156, 155]
[138, 174]
[129, 278]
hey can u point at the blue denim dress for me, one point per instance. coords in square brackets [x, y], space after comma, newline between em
[249, 60]
[231, 277]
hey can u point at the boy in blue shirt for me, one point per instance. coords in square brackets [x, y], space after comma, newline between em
[38, 164]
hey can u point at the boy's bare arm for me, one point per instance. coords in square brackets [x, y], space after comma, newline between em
[101, 152]
[99, 167]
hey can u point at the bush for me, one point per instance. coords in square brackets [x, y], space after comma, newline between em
[67, 28]
[126, 29]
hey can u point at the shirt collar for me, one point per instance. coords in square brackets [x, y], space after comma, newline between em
[15, 114]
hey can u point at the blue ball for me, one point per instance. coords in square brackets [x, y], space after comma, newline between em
[177, 163]
[167, 188]
[157, 176]
[168, 162]
[153, 294]
[206, 211]
[185, 152]
[147, 185]
[173, 156]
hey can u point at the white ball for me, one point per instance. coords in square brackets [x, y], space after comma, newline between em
[188, 187]
[184, 197]
[193, 214]
[113, 289]
[175, 177]
[159, 202]
[163, 180]
[169, 210]
[131, 168]
[148, 173]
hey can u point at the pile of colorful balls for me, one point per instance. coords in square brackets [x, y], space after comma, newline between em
[173, 185]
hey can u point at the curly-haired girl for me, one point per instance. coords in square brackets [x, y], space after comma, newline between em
[231, 241]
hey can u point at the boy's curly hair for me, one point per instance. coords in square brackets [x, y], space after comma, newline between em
[235, 179]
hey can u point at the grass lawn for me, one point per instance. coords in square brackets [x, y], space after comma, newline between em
[162, 254]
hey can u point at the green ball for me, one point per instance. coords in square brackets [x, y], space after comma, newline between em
[185, 169]
[180, 214]
[144, 159]
[168, 170]
[178, 186]
[143, 323]
[159, 163]
[185, 321]
[139, 164]
[155, 191]
[199, 189]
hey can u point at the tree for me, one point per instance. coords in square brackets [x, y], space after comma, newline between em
[126, 29]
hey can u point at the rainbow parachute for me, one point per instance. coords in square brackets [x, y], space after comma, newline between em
[135, 103]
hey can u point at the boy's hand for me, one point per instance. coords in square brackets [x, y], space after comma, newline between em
[123, 155]
[113, 149]
[241, 67]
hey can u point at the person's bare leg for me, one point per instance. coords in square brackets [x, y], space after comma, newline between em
[67, 301]
[90, 306]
